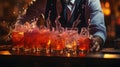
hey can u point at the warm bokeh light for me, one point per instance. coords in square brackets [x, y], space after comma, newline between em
[107, 4]
[118, 21]
[107, 11]
[110, 56]
[106, 8]
[5, 53]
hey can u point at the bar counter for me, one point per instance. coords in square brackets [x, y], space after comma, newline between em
[104, 58]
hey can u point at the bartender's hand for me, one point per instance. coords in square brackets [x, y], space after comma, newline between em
[96, 44]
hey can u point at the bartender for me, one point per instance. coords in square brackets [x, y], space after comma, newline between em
[70, 12]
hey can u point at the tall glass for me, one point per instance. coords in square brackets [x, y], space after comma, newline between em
[57, 43]
[45, 41]
[71, 41]
[84, 41]
[83, 45]
[17, 40]
[29, 41]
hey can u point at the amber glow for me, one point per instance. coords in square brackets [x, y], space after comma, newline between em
[49, 42]
[107, 4]
[107, 11]
[74, 43]
[5, 52]
[110, 56]
[106, 8]
[68, 55]
[58, 44]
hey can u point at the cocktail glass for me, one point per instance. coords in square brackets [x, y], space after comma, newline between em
[71, 41]
[42, 41]
[84, 45]
[57, 43]
[17, 40]
[84, 41]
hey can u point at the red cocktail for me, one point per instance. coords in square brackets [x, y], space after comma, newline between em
[18, 39]
[57, 43]
[84, 44]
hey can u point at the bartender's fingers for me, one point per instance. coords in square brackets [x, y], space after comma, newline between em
[95, 47]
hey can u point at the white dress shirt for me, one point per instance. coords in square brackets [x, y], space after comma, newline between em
[71, 7]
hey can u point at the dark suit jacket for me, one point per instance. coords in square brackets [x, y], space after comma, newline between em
[51, 6]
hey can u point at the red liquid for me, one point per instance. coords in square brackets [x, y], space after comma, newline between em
[44, 40]
[84, 44]
[57, 42]
[18, 39]
[29, 40]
